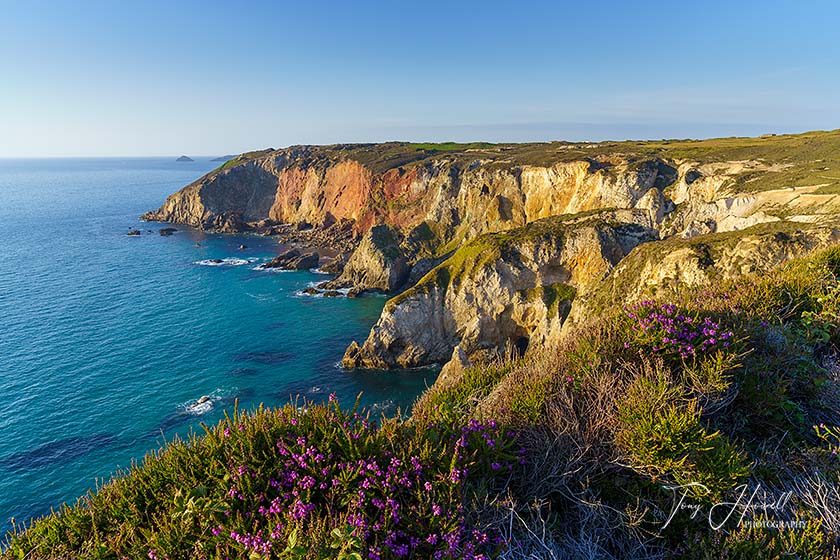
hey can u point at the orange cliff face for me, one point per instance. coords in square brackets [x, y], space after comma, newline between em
[313, 195]
[348, 190]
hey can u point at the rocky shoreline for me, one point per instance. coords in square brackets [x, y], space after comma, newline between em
[484, 250]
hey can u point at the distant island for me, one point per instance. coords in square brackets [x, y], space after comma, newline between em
[184, 158]
[224, 158]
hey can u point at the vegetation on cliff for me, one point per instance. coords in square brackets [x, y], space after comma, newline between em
[581, 450]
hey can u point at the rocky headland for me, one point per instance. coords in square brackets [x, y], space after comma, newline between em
[489, 248]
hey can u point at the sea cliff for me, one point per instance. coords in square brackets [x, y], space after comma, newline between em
[476, 242]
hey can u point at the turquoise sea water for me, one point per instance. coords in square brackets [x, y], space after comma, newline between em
[105, 338]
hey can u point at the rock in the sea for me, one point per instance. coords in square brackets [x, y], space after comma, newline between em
[377, 264]
[242, 247]
[294, 260]
[332, 293]
[167, 231]
[184, 159]
[133, 232]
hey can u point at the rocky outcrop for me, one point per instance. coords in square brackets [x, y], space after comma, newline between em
[293, 260]
[500, 290]
[678, 264]
[377, 264]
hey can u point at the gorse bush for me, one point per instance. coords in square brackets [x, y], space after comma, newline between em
[295, 483]
[664, 436]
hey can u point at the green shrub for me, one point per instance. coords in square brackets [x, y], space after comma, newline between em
[462, 394]
[664, 437]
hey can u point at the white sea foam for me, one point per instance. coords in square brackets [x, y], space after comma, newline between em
[203, 404]
[301, 293]
[230, 261]
[263, 268]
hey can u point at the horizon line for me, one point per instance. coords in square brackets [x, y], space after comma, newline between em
[403, 141]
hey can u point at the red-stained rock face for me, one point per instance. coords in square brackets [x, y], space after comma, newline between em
[346, 190]
[310, 194]
[396, 184]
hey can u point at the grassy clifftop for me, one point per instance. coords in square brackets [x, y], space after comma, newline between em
[808, 159]
[567, 453]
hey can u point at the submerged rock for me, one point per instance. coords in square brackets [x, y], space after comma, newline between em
[133, 232]
[167, 231]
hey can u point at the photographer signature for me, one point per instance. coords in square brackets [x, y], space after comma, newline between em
[720, 513]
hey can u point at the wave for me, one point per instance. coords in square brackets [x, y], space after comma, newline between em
[201, 405]
[383, 407]
[308, 291]
[263, 268]
[230, 261]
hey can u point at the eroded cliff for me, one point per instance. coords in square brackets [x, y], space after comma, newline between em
[512, 288]
[481, 239]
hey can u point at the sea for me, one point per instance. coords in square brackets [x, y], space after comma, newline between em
[108, 341]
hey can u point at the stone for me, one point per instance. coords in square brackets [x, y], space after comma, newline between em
[293, 260]
[377, 264]
[456, 365]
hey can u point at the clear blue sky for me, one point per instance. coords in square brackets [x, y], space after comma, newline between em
[148, 78]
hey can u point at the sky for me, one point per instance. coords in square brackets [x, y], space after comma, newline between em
[107, 78]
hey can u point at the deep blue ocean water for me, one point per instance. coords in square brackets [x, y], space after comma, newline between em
[105, 339]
